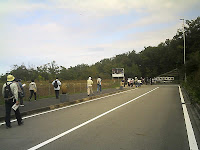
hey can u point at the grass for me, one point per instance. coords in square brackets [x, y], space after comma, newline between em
[46, 89]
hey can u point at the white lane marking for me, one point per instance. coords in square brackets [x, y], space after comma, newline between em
[191, 137]
[181, 95]
[85, 123]
[42, 113]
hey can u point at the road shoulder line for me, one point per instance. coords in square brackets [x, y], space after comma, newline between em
[191, 137]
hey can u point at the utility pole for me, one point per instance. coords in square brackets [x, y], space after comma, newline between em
[184, 48]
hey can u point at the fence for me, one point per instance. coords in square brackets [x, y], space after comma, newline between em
[46, 89]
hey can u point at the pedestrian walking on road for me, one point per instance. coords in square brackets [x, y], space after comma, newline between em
[32, 89]
[136, 82]
[20, 91]
[139, 83]
[131, 82]
[99, 84]
[10, 94]
[89, 86]
[56, 84]
[151, 81]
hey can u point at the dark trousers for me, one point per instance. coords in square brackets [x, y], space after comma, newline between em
[8, 106]
[21, 100]
[20, 96]
[32, 92]
[57, 93]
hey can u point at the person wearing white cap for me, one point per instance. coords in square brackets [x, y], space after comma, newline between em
[10, 94]
[89, 86]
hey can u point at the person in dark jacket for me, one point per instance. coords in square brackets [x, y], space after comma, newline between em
[20, 92]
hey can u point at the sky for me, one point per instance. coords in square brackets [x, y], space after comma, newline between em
[72, 32]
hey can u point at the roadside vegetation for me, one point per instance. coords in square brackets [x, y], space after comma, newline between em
[150, 62]
[45, 89]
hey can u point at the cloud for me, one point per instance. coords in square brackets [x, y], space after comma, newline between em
[85, 31]
[105, 7]
[99, 8]
[137, 41]
[21, 6]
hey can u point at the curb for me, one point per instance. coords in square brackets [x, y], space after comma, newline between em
[51, 107]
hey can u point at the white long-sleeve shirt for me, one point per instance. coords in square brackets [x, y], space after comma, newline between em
[59, 84]
[99, 81]
[32, 86]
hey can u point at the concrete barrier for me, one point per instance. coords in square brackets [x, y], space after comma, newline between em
[64, 98]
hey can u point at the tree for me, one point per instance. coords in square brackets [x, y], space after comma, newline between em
[20, 72]
[53, 69]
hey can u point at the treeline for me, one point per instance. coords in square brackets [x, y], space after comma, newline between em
[150, 62]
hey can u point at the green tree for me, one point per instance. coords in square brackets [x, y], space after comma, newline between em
[21, 72]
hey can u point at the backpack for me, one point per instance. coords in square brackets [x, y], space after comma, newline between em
[7, 92]
[55, 84]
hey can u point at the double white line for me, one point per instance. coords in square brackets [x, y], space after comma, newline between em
[85, 123]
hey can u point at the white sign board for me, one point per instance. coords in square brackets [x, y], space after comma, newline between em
[118, 72]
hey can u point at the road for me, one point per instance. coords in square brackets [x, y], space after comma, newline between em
[146, 118]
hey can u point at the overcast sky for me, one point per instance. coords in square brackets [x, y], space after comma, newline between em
[72, 32]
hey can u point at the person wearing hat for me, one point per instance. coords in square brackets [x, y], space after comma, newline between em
[10, 94]
[89, 86]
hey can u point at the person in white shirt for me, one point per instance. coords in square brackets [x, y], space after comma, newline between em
[56, 84]
[99, 84]
[32, 89]
[89, 86]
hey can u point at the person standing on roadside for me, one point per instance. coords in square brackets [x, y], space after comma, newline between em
[32, 89]
[10, 94]
[89, 86]
[56, 84]
[99, 84]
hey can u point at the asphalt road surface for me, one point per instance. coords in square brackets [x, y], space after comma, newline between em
[147, 118]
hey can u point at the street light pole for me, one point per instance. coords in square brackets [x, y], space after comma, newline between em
[184, 48]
